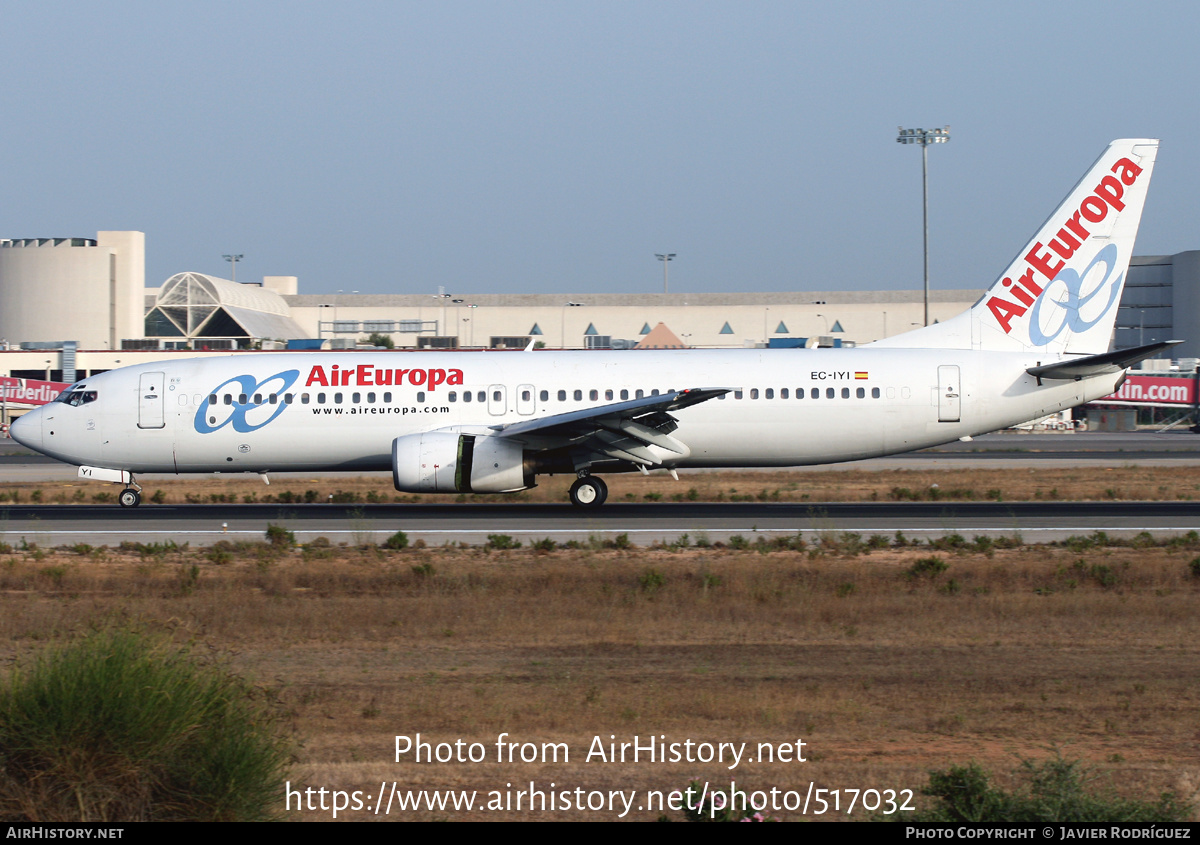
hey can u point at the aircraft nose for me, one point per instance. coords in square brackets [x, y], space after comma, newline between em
[27, 430]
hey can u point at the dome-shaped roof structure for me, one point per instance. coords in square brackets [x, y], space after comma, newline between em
[195, 305]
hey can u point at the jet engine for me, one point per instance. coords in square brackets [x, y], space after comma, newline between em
[449, 462]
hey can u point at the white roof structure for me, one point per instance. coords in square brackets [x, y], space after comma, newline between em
[195, 305]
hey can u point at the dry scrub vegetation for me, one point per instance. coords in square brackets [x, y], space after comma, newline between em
[1010, 484]
[887, 659]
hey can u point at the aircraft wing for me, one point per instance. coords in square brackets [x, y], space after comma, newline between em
[622, 431]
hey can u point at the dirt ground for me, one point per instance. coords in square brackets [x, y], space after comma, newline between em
[884, 661]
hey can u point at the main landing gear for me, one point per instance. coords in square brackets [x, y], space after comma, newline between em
[588, 491]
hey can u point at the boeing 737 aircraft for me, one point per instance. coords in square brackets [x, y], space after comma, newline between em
[448, 422]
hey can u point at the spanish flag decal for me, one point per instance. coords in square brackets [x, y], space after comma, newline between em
[860, 374]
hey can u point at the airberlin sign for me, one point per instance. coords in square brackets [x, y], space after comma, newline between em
[27, 391]
[1064, 292]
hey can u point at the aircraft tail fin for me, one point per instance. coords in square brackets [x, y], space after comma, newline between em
[1060, 294]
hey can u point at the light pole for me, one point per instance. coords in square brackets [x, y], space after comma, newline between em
[233, 260]
[664, 257]
[925, 137]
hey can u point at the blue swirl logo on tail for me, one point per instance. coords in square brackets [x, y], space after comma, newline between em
[1070, 283]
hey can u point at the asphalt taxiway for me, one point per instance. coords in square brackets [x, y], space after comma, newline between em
[644, 524]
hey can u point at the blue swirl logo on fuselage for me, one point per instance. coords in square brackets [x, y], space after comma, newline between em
[245, 415]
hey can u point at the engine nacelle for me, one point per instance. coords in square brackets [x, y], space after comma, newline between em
[448, 462]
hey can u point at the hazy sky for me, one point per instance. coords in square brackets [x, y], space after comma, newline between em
[557, 146]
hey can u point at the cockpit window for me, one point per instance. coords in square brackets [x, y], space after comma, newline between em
[76, 396]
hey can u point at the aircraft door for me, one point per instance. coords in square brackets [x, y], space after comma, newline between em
[525, 401]
[497, 402]
[150, 401]
[949, 394]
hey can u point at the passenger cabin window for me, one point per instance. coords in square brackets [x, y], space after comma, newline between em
[624, 394]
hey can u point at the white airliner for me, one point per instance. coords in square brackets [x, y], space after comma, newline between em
[447, 422]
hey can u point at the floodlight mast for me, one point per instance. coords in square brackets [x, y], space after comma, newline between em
[233, 260]
[925, 137]
[664, 257]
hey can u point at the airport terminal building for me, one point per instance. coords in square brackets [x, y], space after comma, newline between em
[71, 307]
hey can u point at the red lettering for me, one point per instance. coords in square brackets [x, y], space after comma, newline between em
[1029, 284]
[1097, 207]
[1075, 226]
[455, 377]
[416, 377]
[1022, 295]
[400, 377]
[346, 374]
[1065, 245]
[363, 376]
[1004, 311]
[1041, 262]
[1129, 171]
[316, 376]
[436, 377]
[1111, 190]
[383, 377]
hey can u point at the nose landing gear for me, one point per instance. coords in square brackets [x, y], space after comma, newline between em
[588, 491]
[131, 496]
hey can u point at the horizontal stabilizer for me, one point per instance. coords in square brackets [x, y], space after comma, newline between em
[1099, 365]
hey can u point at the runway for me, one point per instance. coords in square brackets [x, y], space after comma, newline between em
[643, 524]
[646, 524]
